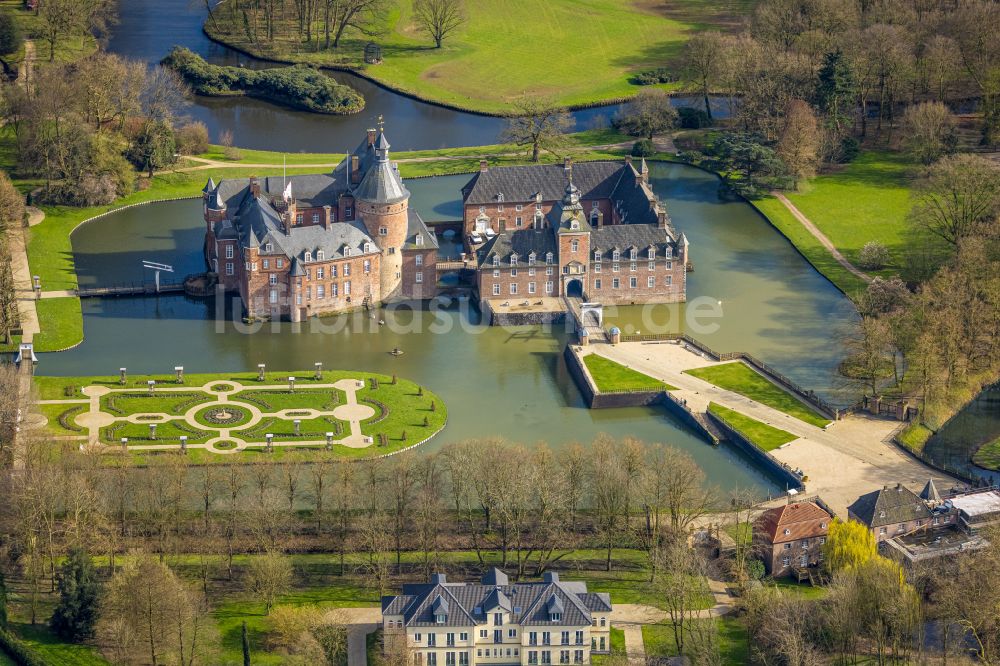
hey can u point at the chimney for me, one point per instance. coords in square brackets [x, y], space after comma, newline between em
[662, 219]
[600, 219]
[254, 186]
[325, 217]
[355, 170]
[438, 579]
[568, 164]
[286, 219]
[372, 135]
[483, 166]
[550, 577]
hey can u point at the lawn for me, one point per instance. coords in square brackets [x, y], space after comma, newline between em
[731, 636]
[740, 378]
[616, 638]
[868, 199]
[494, 59]
[915, 436]
[404, 412]
[988, 455]
[53, 412]
[61, 323]
[52, 651]
[764, 436]
[66, 50]
[611, 376]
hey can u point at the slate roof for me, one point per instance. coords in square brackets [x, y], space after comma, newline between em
[930, 492]
[888, 506]
[416, 227]
[382, 184]
[596, 180]
[470, 603]
[802, 520]
[623, 236]
[521, 241]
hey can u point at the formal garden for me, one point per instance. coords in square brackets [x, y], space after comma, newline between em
[243, 416]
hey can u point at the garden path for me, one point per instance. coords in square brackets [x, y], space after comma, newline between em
[821, 237]
[223, 393]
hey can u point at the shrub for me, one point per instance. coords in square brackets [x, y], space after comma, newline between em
[873, 256]
[849, 149]
[79, 594]
[643, 148]
[299, 86]
[691, 118]
[650, 77]
[10, 34]
[192, 138]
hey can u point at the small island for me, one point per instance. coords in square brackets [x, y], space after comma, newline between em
[247, 416]
[300, 86]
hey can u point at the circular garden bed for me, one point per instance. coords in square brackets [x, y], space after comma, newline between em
[225, 416]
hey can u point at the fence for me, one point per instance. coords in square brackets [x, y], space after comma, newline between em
[782, 471]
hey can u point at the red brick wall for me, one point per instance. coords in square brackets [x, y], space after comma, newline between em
[660, 292]
[527, 214]
[428, 287]
[522, 279]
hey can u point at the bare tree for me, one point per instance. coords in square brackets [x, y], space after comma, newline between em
[439, 18]
[62, 19]
[268, 576]
[539, 124]
[608, 493]
[959, 195]
[703, 63]
[798, 145]
[929, 131]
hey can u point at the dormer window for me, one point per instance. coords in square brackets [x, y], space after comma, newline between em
[597, 255]
[531, 258]
[320, 255]
[308, 256]
[633, 254]
[496, 260]
[368, 248]
[513, 259]
[440, 618]
[594, 205]
[555, 617]
[347, 251]
[268, 247]
[419, 240]
[574, 224]
[500, 197]
[548, 258]
[616, 255]
[652, 253]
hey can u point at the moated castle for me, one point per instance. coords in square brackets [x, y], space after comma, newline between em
[298, 246]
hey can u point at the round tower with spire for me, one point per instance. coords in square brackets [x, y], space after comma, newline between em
[383, 203]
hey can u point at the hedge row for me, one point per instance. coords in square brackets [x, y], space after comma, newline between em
[300, 86]
[18, 651]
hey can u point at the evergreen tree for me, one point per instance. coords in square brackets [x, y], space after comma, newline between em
[246, 645]
[10, 34]
[836, 91]
[79, 596]
[3, 603]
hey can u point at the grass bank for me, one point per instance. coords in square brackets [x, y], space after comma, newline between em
[766, 437]
[740, 378]
[611, 376]
[489, 62]
[730, 636]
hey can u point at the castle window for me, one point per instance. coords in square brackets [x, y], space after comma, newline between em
[594, 214]
[308, 256]
[616, 283]
[651, 282]
[531, 258]
[418, 240]
[334, 290]
[229, 252]
[347, 251]
[513, 288]
[500, 196]
[418, 260]
[652, 253]
[616, 255]
[651, 266]
[574, 245]
[320, 255]
[548, 287]
[280, 263]
[347, 287]
[319, 273]
[418, 277]
[368, 248]
[632, 283]
[368, 266]
[518, 221]
[266, 263]
[513, 272]
[632, 267]
[538, 206]
[496, 260]
[272, 279]
[670, 265]
[597, 255]
[298, 218]
[574, 224]
[633, 254]
[348, 213]
[597, 267]
[549, 270]
[496, 272]
[548, 257]
[347, 270]
[273, 296]
[597, 283]
[383, 231]
[670, 280]
[518, 207]
[229, 268]
[513, 259]
[316, 219]
[320, 291]
[499, 208]
[496, 289]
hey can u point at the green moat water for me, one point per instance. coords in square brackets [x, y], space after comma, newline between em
[495, 381]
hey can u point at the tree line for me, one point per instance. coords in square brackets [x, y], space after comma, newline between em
[84, 128]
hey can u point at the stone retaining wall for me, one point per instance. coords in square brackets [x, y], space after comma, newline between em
[758, 455]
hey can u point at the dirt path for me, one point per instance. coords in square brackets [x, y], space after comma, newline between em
[26, 75]
[821, 237]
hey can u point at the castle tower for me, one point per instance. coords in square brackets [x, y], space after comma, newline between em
[382, 203]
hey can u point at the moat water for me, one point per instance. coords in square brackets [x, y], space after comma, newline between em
[148, 29]
[960, 438]
[495, 381]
